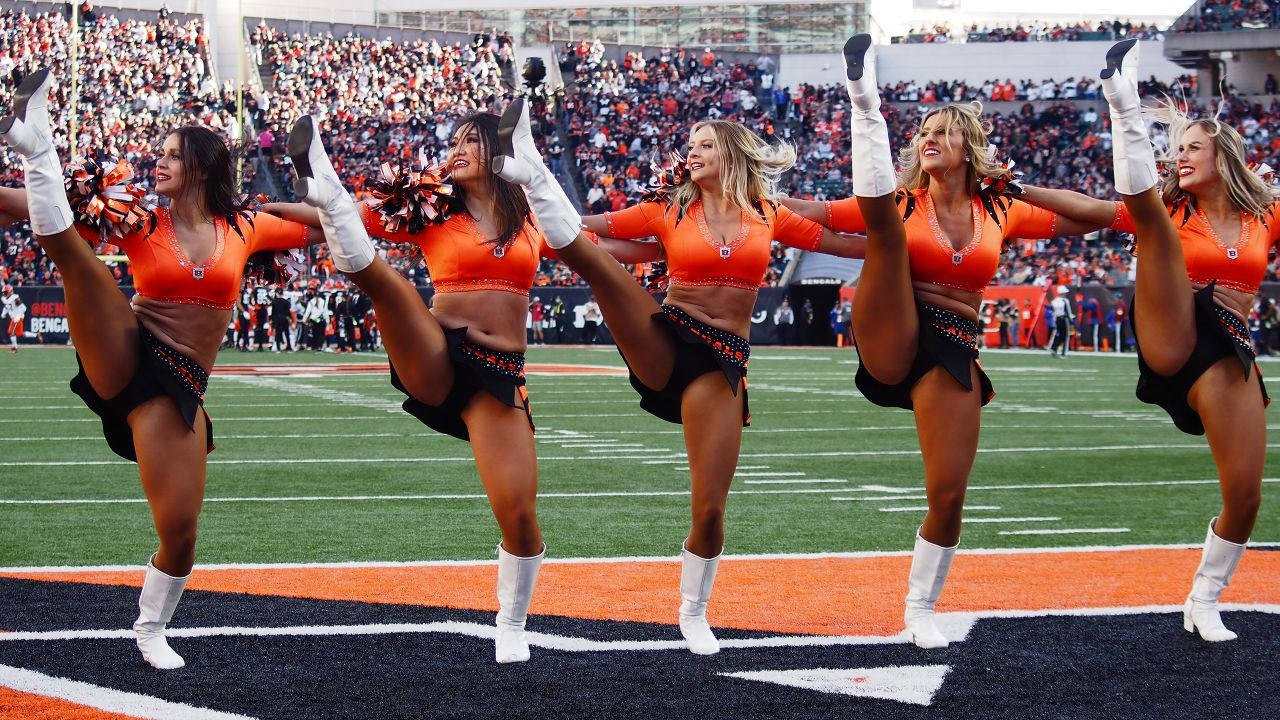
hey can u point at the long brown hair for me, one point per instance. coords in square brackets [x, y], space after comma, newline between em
[208, 171]
[510, 206]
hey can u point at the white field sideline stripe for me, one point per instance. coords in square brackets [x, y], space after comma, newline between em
[769, 474]
[962, 621]
[475, 630]
[638, 493]
[1011, 520]
[106, 699]
[925, 508]
[1065, 531]
[672, 559]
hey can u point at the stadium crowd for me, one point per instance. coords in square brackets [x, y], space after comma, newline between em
[1220, 15]
[1034, 32]
[381, 101]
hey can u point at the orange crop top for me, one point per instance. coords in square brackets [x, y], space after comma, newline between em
[933, 258]
[1240, 265]
[460, 258]
[696, 257]
[162, 271]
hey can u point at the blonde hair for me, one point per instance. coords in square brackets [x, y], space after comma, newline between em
[1247, 191]
[750, 168]
[973, 131]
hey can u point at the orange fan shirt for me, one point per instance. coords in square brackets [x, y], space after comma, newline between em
[460, 258]
[696, 257]
[1240, 265]
[162, 271]
[933, 258]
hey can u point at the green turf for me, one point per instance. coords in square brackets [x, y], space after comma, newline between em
[807, 418]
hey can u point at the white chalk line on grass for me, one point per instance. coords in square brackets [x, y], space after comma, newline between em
[222, 436]
[1011, 520]
[620, 493]
[1066, 531]
[925, 508]
[106, 699]
[804, 481]
[318, 393]
[628, 559]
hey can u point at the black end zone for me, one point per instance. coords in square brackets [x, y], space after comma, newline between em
[855, 55]
[1143, 666]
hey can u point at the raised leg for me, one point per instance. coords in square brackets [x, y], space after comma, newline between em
[1163, 305]
[884, 317]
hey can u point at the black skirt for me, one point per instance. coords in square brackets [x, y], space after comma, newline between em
[161, 371]
[700, 349]
[475, 368]
[1219, 334]
[945, 339]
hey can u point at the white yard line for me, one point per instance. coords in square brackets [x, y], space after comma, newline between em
[1065, 531]
[106, 699]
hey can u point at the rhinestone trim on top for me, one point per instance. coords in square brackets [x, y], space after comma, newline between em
[957, 256]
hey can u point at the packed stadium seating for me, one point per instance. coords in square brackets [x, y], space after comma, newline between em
[381, 101]
[1220, 15]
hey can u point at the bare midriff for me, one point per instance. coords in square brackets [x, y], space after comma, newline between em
[721, 307]
[493, 318]
[1236, 302]
[193, 330]
[964, 303]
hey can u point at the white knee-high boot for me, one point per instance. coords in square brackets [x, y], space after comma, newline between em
[929, 566]
[159, 598]
[517, 577]
[319, 186]
[1217, 565]
[697, 576]
[873, 174]
[518, 161]
[1133, 157]
[27, 131]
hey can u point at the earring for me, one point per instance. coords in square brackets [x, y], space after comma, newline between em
[966, 158]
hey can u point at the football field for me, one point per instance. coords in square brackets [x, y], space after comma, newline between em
[345, 561]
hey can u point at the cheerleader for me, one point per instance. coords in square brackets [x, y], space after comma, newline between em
[935, 231]
[461, 363]
[714, 220]
[144, 367]
[1204, 233]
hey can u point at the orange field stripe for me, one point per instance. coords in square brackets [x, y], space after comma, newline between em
[14, 704]
[824, 596]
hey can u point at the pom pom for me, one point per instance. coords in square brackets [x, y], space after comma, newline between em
[1007, 183]
[103, 196]
[665, 180]
[410, 198]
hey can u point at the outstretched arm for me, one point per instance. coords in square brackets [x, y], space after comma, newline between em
[814, 210]
[294, 212]
[841, 245]
[1078, 213]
